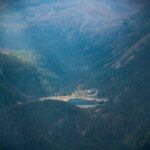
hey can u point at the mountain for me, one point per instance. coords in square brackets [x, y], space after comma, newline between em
[18, 75]
[120, 70]
[25, 75]
[118, 58]
[52, 48]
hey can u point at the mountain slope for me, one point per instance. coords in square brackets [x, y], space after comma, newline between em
[120, 59]
[21, 78]
[111, 58]
[43, 125]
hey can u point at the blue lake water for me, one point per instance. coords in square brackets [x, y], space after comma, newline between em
[81, 102]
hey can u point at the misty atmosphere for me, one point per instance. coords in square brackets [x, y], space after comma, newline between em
[74, 75]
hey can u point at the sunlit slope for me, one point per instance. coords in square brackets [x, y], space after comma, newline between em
[17, 78]
[23, 77]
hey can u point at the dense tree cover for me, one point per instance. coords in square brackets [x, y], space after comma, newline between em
[43, 125]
